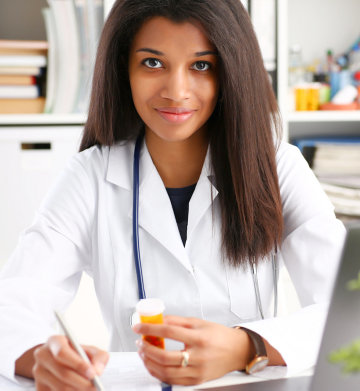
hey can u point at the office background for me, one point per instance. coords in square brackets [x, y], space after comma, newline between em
[295, 37]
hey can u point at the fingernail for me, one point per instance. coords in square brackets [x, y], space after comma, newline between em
[138, 343]
[90, 373]
[136, 328]
[99, 368]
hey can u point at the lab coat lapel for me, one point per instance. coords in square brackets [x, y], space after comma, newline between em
[156, 215]
[204, 194]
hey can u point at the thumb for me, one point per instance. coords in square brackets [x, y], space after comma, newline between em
[99, 358]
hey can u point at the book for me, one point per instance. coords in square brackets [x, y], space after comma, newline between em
[67, 55]
[11, 47]
[336, 163]
[346, 201]
[90, 18]
[23, 60]
[22, 106]
[12, 92]
[21, 70]
[349, 181]
[17, 80]
[330, 156]
[51, 76]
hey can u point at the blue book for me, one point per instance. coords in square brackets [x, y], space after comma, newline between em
[308, 146]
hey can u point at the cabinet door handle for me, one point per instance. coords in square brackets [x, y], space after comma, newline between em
[35, 146]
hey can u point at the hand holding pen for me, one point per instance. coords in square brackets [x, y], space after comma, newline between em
[58, 365]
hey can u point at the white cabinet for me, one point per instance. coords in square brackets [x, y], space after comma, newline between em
[33, 150]
[30, 159]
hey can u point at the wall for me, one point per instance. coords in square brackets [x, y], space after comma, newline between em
[318, 25]
[19, 19]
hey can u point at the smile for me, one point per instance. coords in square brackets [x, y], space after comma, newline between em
[175, 114]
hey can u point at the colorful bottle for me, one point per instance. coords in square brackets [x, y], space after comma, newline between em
[151, 311]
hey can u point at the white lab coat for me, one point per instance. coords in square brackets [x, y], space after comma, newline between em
[85, 223]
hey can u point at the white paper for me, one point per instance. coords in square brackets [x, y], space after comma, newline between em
[126, 371]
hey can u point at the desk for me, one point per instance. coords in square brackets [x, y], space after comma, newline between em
[126, 371]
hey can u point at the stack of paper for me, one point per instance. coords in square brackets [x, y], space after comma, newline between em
[336, 162]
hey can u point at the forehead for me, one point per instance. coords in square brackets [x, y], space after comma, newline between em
[160, 32]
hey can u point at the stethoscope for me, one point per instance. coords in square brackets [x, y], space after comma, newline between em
[137, 258]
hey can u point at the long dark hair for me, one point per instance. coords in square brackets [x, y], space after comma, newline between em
[243, 128]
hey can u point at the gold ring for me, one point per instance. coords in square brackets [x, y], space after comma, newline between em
[185, 358]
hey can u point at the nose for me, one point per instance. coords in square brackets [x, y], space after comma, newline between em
[176, 85]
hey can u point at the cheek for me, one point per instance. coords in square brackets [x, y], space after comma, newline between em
[208, 94]
[142, 93]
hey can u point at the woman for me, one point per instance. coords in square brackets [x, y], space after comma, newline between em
[219, 197]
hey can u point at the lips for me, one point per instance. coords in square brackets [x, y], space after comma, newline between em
[175, 114]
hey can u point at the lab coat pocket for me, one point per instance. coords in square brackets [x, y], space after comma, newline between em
[242, 294]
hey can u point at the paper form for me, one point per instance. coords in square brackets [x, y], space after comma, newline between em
[126, 371]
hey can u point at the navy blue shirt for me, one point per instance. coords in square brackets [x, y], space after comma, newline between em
[180, 198]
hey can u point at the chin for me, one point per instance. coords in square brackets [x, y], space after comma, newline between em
[174, 135]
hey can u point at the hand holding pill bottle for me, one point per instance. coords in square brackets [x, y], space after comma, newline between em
[151, 311]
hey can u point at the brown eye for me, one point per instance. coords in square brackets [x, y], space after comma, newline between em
[152, 63]
[201, 66]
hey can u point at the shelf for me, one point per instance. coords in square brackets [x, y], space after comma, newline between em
[42, 119]
[324, 116]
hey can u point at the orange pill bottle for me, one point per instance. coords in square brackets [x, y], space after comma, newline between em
[151, 311]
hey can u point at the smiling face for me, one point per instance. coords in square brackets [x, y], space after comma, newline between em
[173, 78]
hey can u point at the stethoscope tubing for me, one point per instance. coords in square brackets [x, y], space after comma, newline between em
[136, 244]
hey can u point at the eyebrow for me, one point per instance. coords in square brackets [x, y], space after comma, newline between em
[158, 53]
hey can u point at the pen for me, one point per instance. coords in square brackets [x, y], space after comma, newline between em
[96, 380]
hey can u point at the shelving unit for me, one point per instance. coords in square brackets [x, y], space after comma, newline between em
[42, 119]
[324, 116]
[317, 25]
[27, 174]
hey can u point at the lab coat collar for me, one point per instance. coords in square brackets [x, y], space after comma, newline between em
[119, 170]
[120, 165]
[203, 196]
[155, 210]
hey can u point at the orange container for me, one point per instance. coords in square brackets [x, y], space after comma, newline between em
[307, 97]
[313, 98]
[301, 98]
[151, 311]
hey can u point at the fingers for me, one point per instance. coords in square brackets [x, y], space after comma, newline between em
[177, 333]
[46, 365]
[191, 323]
[172, 375]
[58, 366]
[99, 358]
[45, 380]
[160, 356]
[166, 365]
[65, 355]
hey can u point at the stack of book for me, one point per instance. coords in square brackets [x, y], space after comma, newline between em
[336, 163]
[22, 75]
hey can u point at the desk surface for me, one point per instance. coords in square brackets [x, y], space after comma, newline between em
[126, 371]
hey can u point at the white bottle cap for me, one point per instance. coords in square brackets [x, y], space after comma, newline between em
[150, 307]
